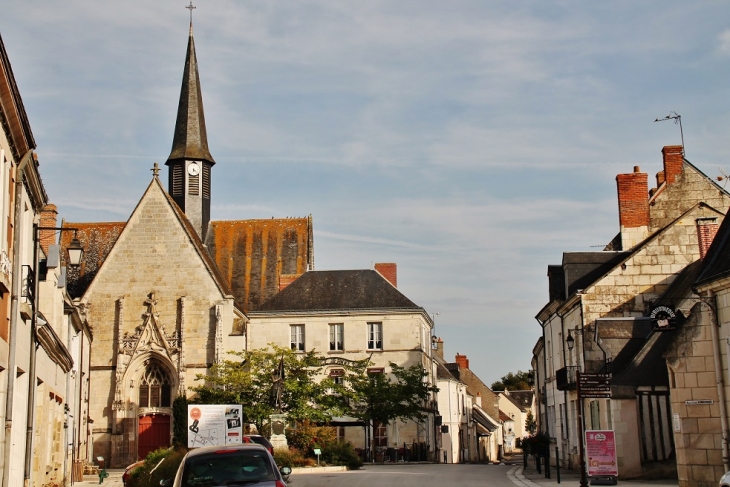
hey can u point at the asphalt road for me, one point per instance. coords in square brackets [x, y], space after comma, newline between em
[415, 475]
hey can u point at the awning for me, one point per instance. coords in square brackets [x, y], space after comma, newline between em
[342, 421]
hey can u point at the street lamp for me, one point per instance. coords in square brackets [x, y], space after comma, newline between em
[570, 342]
[75, 254]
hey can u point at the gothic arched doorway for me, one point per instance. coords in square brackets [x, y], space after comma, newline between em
[154, 403]
[154, 433]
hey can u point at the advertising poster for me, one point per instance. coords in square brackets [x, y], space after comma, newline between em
[601, 453]
[214, 425]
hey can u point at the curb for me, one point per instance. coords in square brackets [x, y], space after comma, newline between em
[306, 470]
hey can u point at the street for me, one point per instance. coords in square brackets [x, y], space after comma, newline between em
[420, 475]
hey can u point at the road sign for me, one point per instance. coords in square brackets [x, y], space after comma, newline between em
[594, 385]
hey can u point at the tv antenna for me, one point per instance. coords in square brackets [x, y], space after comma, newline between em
[677, 120]
[724, 177]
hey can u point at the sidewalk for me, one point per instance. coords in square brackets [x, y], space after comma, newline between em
[570, 478]
[113, 480]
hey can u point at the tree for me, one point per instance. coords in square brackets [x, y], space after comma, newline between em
[530, 423]
[521, 381]
[377, 398]
[251, 380]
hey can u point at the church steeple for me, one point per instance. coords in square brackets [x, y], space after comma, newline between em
[190, 161]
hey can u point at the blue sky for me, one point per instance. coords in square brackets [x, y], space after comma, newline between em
[471, 142]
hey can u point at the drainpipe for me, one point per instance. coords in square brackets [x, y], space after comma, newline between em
[32, 380]
[565, 392]
[711, 302]
[14, 298]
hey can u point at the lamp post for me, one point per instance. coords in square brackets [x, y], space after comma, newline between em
[75, 254]
[570, 341]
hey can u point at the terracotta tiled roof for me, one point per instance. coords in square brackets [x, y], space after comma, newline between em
[251, 255]
[97, 239]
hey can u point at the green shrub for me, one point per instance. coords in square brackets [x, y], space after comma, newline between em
[292, 457]
[342, 453]
[306, 436]
[144, 476]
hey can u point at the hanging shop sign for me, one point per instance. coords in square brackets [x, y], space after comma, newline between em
[663, 319]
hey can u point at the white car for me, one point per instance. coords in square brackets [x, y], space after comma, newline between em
[725, 480]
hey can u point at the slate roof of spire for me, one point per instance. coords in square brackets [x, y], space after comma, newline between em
[190, 140]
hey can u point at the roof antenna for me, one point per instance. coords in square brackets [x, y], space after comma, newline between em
[677, 120]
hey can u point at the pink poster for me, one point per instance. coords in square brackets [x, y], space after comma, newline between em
[601, 453]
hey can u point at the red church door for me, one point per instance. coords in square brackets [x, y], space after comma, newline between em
[154, 433]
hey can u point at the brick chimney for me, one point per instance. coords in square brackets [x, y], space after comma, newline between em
[462, 361]
[286, 279]
[673, 162]
[633, 207]
[48, 218]
[439, 347]
[388, 270]
[479, 399]
[706, 231]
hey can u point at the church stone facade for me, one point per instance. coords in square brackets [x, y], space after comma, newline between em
[161, 308]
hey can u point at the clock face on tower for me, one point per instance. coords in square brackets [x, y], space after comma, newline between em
[193, 169]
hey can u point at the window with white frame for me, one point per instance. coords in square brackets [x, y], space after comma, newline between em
[375, 336]
[297, 338]
[337, 342]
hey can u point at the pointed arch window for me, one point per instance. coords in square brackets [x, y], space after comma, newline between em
[155, 388]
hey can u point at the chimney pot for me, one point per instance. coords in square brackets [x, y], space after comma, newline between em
[462, 361]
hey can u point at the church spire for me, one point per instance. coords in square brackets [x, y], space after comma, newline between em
[190, 140]
[190, 161]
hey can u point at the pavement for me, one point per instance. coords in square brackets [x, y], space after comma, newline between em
[529, 477]
[113, 480]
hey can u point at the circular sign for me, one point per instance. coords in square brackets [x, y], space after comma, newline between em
[195, 413]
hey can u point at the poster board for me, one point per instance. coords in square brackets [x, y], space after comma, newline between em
[214, 425]
[601, 453]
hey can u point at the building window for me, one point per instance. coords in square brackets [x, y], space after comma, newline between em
[297, 338]
[155, 388]
[375, 336]
[336, 337]
[337, 376]
[380, 434]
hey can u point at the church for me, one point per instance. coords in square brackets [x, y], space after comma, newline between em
[166, 292]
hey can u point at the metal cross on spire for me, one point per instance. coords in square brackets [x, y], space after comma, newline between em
[191, 7]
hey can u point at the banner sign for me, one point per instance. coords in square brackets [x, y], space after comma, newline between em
[214, 425]
[601, 453]
[663, 319]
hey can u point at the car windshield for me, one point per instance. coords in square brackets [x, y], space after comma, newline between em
[228, 468]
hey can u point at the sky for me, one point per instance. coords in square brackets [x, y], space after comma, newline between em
[472, 142]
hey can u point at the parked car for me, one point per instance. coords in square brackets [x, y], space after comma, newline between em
[248, 464]
[261, 440]
[725, 480]
[128, 471]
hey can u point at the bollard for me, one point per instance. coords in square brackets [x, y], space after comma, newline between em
[547, 462]
[524, 460]
[537, 463]
[557, 463]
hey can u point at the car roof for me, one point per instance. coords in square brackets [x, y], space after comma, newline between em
[210, 449]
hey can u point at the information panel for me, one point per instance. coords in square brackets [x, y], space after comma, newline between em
[601, 453]
[214, 425]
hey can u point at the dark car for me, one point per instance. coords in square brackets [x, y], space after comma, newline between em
[261, 440]
[128, 471]
[249, 465]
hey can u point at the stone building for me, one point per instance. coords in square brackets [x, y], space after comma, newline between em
[166, 292]
[43, 340]
[353, 315]
[600, 303]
